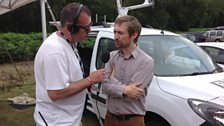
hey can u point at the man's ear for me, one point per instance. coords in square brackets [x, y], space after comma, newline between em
[134, 35]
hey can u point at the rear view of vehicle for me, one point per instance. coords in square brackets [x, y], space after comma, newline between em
[214, 36]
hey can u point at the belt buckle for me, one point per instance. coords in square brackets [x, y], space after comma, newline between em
[122, 117]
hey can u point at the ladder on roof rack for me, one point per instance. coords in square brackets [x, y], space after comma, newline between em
[124, 10]
[54, 22]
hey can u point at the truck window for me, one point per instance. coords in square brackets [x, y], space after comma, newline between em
[212, 33]
[105, 44]
[174, 56]
[219, 33]
[216, 53]
[85, 49]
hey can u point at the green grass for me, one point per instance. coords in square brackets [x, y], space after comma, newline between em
[193, 30]
[10, 86]
[197, 29]
[11, 116]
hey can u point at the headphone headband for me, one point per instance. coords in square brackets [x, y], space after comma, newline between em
[78, 13]
[75, 28]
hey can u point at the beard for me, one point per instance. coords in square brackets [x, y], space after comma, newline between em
[121, 45]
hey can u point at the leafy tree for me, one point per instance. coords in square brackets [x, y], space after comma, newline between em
[177, 15]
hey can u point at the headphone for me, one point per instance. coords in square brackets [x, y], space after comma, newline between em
[73, 28]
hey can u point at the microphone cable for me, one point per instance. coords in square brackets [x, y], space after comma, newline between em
[104, 58]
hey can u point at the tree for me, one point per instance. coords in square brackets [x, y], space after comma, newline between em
[176, 15]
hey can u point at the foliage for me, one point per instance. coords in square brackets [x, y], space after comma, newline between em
[23, 47]
[177, 15]
[88, 42]
[19, 46]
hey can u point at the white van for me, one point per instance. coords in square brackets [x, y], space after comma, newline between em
[214, 36]
[188, 91]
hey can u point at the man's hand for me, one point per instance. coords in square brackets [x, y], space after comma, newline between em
[113, 72]
[97, 76]
[133, 90]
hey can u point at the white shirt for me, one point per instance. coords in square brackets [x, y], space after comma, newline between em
[55, 66]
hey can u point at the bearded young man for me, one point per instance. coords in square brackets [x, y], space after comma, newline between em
[129, 73]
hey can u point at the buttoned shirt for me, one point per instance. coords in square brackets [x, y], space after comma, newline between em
[138, 67]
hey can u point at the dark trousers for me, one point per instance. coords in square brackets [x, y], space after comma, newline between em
[112, 120]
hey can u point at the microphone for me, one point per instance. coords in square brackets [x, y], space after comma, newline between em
[104, 58]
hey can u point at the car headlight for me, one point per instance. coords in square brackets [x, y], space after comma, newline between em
[211, 112]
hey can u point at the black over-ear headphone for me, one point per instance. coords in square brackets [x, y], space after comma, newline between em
[73, 28]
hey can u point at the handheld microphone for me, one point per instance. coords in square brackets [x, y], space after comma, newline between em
[104, 58]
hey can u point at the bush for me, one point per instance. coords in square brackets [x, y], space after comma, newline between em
[20, 47]
[23, 47]
[88, 43]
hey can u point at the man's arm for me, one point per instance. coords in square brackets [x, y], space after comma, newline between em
[144, 73]
[111, 85]
[57, 78]
[76, 87]
[141, 79]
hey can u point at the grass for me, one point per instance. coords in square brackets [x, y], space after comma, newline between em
[11, 86]
[14, 117]
[197, 29]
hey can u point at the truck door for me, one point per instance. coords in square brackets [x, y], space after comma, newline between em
[98, 100]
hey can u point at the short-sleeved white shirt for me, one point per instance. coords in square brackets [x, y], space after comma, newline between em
[55, 66]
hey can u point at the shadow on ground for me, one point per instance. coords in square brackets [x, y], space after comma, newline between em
[89, 119]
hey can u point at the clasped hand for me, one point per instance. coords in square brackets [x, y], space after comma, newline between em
[134, 91]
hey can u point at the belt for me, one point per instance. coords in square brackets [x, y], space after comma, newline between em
[124, 117]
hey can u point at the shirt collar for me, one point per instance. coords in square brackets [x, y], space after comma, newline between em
[133, 54]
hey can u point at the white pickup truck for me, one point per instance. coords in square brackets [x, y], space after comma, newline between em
[182, 93]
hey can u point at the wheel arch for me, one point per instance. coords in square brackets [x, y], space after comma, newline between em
[153, 117]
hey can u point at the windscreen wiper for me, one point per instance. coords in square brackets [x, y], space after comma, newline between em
[199, 73]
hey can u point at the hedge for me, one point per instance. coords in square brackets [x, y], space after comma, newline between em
[22, 47]
[19, 46]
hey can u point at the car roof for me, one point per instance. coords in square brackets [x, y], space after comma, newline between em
[214, 30]
[145, 31]
[213, 44]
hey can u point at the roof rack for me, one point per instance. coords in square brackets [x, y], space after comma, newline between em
[217, 28]
[124, 10]
[102, 25]
[147, 26]
[55, 23]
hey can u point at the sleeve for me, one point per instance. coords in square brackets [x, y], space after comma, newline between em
[111, 85]
[144, 73]
[56, 72]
